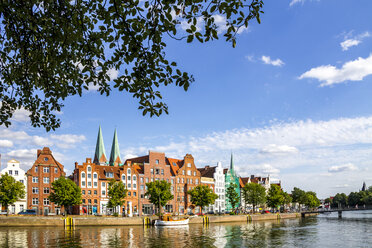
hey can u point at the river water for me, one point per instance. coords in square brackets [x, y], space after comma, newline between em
[353, 230]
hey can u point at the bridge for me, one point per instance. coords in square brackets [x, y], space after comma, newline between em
[339, 210]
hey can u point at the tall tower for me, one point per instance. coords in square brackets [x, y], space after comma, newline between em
[115, 152]
[232, 171]
[100, 155]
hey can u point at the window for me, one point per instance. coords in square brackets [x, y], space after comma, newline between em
[89, 176]
[162, 171]
[21, 181]
[35, 201]
[46, 201]
[142, 196]
[46, 169]
[83, 201]
[46, 159]
[128, 185]
[191, 180]
[109, 174]
[147, 179]
[172, 181]
[178, 180]
[189, 173]
[95, 192]
[152, 179]
[46, 180]
[16, 173]
[55, 170]
[83, 192]
[95, 176]
[35, 179]
[141, 179]
[135, 186]
[183, 172]
[183, 180]
[35, 190]
[35, 168]
[134, 178]
[157, 161]
[10, 172]
[189, 165]
[103, 184]
[157, 171]
[103, 192]
[134, 194]
[89, 184]
[172, 188]
[89, 169]
[196, 181]
[89, 192]
[128, 171]
[83, 184]
[46, 190]
[56, 178]
[129, 194]
[174, 164]
[95, 201]
[128, 178]
[194, 173]
[95, 184]
[188, 181]
[21, 207]
[123, 177]
[183, 198]
[178, 189]
[141, 187]
[89, 201]
[151, 171]
[83, 175]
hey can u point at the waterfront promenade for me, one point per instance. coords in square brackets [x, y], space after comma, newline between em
[7, 221]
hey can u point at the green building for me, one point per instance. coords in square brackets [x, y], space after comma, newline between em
[231, 177]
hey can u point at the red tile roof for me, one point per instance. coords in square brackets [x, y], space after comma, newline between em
[207, 171]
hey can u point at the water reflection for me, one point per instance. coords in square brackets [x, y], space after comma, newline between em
[328, 231]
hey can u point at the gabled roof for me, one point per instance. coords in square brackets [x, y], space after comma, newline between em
[244, 180]
[225, 171]
[207, 171]
[175, 164]
[241, 184]
[143, 159]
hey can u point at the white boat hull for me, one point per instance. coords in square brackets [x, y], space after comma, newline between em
[171, 223]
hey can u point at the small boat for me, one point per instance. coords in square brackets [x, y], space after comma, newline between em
[168, 221]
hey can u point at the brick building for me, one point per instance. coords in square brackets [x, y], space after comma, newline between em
[45, 170]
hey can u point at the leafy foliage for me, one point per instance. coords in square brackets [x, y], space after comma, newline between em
[254, 194]
[159, 193]
[50, 50]
[65, 193]
[311, 200]
[202, 196]
[232, 195]
[116, 193]
[339, 200]
[298, 195]
[275, 197]
[10, 190]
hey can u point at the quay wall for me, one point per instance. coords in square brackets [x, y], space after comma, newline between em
[23, 221]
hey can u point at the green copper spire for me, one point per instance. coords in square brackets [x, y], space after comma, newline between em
[232, 164]
[115, 153]
[100, 155]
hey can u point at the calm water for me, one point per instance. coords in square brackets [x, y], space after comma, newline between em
[354, 230]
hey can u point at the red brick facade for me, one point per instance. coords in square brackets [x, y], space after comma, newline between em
[44, 171]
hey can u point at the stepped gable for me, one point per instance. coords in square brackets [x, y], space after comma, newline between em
[45, 157]
[100, 154]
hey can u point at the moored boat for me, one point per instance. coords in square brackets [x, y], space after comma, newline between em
[168, 221]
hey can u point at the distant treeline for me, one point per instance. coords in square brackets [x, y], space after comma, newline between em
[361, 198]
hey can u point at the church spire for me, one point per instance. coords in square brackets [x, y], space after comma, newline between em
[100, 155]
[232, 164]
[115, 153]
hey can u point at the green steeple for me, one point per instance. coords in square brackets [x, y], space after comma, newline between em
[232, 171]
[100, 155]
[115, 153]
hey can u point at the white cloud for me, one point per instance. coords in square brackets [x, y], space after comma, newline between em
[41, 141]
[268, 61]
[354, 70]
[23, 154]
[21, 115]
[268, 169]
[279, 149]
[341, 168]
[67, 141]
[354, 41]
[250, 58]
[6, 143]
[14, 135]
[293, 2]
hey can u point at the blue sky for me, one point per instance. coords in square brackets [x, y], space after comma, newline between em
[291, 100]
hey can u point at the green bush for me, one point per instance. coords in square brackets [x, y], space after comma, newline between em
[116, 215]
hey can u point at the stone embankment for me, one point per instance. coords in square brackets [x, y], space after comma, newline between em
[133, 221]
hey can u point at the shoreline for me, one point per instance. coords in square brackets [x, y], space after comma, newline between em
[33, 221]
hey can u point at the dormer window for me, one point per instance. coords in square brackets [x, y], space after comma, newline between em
[109, 174]
[46, 159]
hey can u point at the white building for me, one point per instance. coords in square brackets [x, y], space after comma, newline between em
[15, 171]
[216, 172]
[263, 181]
